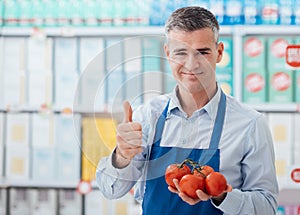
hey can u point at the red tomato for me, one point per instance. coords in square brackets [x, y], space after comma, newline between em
[206, 170]
[176, 171]
[190, 183]
[215, 184]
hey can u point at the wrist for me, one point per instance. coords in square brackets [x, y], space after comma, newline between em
[219, 199]
[119, 160]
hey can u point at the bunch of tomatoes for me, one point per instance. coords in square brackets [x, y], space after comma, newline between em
[194, 178]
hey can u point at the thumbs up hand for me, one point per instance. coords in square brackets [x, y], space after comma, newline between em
[129, 138]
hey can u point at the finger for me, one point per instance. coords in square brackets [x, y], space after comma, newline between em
[202, 196]
[132, 126]
[172, 189]
[176, 183]
[130, 135]
[127, 112]
[128, 143]
[188, 199]
[229, 188]
[130, 153]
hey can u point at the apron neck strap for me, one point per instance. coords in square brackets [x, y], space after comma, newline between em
[218, 127]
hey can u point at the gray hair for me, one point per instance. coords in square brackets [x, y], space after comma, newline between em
[191, 19]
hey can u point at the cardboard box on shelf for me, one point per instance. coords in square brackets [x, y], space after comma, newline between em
[17, 162]
[43, 201]
[14, 72]
[3, 201]
[69, 202]
[17, 129]
[19, 201]
[281, 86]
[92, 85]
[95, 203]
[255, 86]
[276, 49]
[44, 164]
[68, 164]
[281, 129]
[297, 85]
[67, 139]
[254, 53]
[115, 74]
[98, 140]
[40, 71]
[42, 131]
[133, 71]
[151, 65]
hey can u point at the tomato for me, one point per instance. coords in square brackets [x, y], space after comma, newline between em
[175, 171]
[190, 183]
[215, 184]
[206, 170]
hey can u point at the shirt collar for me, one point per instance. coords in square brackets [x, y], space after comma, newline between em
[210, 108]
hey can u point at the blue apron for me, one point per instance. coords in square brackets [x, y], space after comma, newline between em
[158, 199]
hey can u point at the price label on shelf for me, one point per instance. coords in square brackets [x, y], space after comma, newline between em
[295, 175]
[292, 55]
[84, 187]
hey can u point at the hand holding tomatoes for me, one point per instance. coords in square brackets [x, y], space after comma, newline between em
[199, 183]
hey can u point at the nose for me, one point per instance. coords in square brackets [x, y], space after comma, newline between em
[193, 61]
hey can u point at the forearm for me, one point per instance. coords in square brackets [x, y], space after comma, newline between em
[113, 182]
[248, 202]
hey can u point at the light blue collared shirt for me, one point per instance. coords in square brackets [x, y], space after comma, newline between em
[246, 152]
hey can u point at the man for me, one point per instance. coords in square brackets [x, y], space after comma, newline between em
[196, 121]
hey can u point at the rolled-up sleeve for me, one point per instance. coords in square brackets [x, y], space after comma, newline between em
[259, 191]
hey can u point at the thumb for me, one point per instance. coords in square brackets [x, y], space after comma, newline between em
[127, 112]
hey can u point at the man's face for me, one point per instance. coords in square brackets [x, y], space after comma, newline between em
[193, 57]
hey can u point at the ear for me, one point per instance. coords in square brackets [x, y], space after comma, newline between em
[167, 50]
[220, 49]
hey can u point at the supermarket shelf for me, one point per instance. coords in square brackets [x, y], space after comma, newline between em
[267, 107]
[266, 30]
[92, 31]
[4, 183]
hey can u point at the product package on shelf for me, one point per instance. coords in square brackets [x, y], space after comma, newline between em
[69, 202]
[269, 12]
[233, 12]
[1, 75]
[254, 70]
[281, 125]
[297, 85]
[43, 201]
[98, 140]
[66, 72]
[1, 144]
[251, 12]
[151, 65]
[286, 12]
[14, 69]
[280, 86]
[133, 71]
[95, 203]
[92, 87]
[224, 69]
[296, 140]
[280, 76]
[17, 146]
[19, 201]
[3, 201]
[39, 65]
[297, 76]
[68, 147]
[114, 73]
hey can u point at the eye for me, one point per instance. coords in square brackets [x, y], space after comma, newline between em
[202, 53]
[180, 53]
